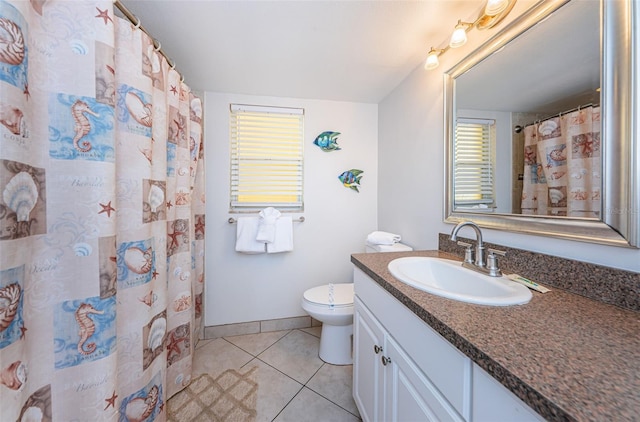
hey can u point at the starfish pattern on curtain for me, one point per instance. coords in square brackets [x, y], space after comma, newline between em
[101, 217]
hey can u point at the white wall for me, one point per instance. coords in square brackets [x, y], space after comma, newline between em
[243, 288]
[411, 169]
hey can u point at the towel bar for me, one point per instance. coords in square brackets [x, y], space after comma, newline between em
[232, 220]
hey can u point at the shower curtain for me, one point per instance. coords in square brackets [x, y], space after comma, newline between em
[562, 165]
[101, 217]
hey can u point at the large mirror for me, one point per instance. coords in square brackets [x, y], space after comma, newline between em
[540, 126]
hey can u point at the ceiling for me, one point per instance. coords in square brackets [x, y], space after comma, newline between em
[343, 50]
[553, 67]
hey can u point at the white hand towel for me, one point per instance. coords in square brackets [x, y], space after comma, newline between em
[383, 238]
[267, 225]
[246, 236]
[284, 236]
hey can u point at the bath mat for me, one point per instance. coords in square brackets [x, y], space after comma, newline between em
[230, 397]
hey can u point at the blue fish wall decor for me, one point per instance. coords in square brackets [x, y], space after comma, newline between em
[327, 141]
[351, 178]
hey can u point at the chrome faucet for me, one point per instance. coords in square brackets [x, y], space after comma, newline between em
[477, 263]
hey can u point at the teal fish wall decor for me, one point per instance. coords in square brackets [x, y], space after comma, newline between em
[327, 141]
[351, 178]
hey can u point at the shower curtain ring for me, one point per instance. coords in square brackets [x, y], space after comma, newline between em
[156, 49]
[137, 25]
[173, 64]
[181, 78]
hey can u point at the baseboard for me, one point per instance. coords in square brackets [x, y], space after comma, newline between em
[255, 327]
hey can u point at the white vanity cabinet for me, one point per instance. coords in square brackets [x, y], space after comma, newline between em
[493, 402]
[368, 371]
[405, 371]
[388, 386]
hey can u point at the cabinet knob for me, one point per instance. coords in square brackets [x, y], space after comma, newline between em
[377, 348]
[385, 360]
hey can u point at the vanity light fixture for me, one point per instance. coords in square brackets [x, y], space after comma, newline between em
[495, 7]
[493, 12]
[432, 58]
[459, 36]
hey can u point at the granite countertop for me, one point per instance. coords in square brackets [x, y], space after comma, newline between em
[568, 357]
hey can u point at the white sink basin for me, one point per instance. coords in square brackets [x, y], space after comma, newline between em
[449, 279]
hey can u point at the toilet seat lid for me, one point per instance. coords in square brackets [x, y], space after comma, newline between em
[342, 294]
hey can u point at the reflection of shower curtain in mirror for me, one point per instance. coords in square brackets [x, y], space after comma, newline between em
[562, 165]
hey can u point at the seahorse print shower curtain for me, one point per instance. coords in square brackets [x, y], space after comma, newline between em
[562, 165]
[101, 217]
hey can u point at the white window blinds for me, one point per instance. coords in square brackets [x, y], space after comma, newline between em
[474, 162]
[266, 157]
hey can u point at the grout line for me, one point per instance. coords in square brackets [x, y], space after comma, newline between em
[288, 376]
[246, 351]
[318, 393]
[288, 403]
[202, 343]
[309, 334]
[327, 398]
[302, 385]
[315, 373]
[309, 328]
[238, 347]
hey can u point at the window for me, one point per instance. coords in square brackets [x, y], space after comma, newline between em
[474, 163]
[266, 157]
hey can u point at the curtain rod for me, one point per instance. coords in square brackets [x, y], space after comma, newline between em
[560, 114]
[136, 21]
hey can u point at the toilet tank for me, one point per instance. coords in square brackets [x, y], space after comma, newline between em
[396, 247]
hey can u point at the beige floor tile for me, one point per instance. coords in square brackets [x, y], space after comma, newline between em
[335, 384]
[309, 406]
[256, 343]
[285, 360]
[275, 390]
[202, 343]
[314, 331]
[295, 355]
[217, 356]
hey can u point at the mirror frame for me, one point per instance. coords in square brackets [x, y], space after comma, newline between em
[620, 221]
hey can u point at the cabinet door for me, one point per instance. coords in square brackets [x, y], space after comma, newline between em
[492, 402]
[410, 396]
[444, 365]
[367, 368]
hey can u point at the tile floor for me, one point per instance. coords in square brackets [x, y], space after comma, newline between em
[294, 384]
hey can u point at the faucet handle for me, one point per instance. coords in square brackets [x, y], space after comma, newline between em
[492, 261]
[496, 252]
[468, 252]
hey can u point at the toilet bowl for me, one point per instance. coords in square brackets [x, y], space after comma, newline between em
[332, 305]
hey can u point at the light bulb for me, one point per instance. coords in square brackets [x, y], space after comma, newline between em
[495, 7]
[459, 36]
[432, 60]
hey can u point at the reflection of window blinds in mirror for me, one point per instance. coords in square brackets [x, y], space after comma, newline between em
[474, 161]
[266, 157]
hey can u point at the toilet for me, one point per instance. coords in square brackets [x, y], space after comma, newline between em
[332, 304]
